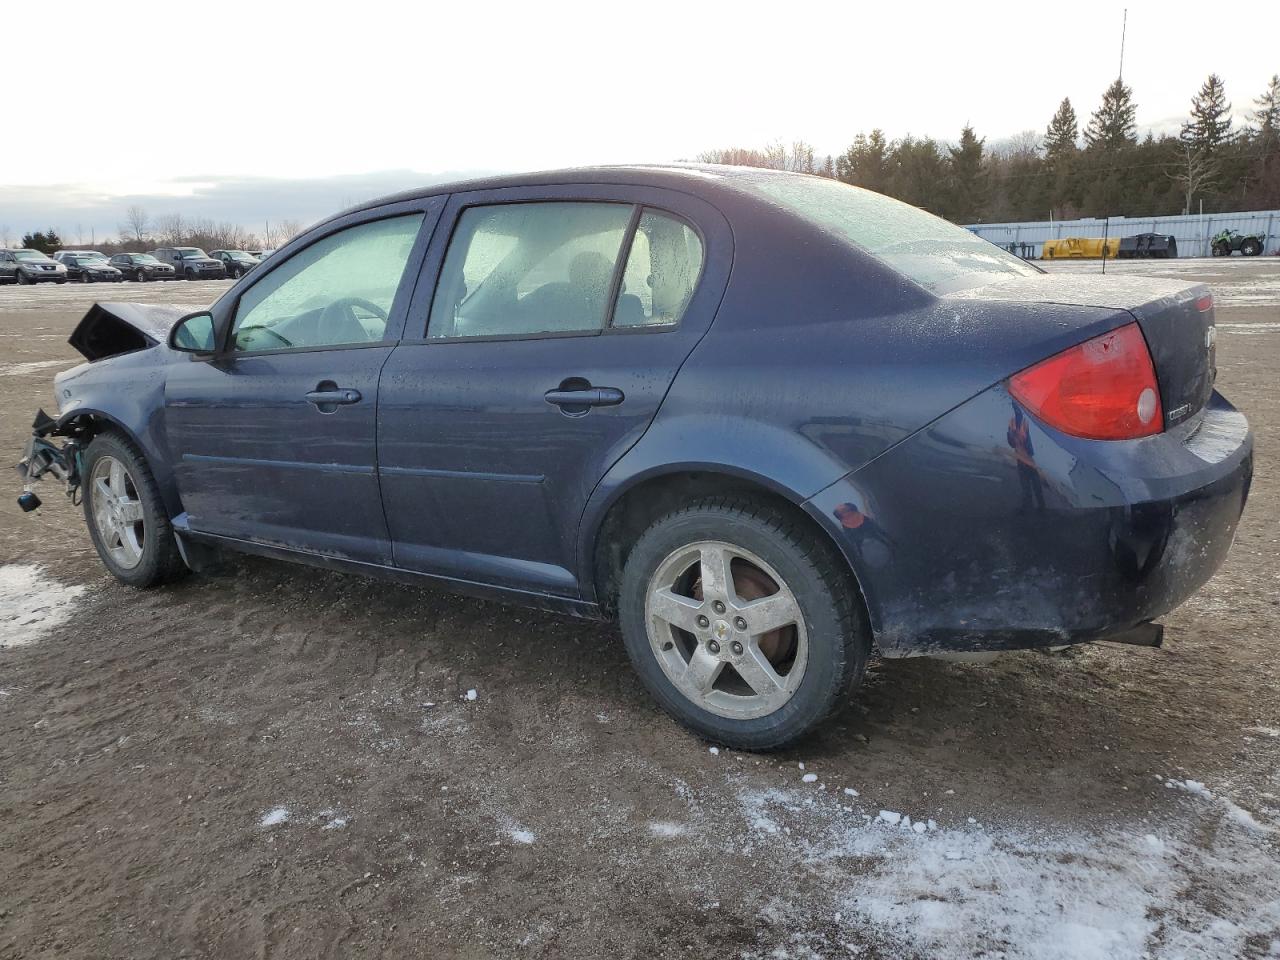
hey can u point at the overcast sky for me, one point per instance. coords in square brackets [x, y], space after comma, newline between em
[291, 110]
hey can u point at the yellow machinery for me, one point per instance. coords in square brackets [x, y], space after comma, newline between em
[1080, 248]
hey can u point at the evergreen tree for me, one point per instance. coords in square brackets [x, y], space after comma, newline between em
[1210, 124]
[1113, 124]
[967, 182]
[1267, 116]
[866, 162]
[1062, 133]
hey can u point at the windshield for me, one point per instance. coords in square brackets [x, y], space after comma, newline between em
[192, 253]
[29, 255]
[936, 254]
[144, 258]
[239, 255]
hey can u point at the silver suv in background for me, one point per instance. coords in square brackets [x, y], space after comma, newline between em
[191, 263]
[31, 266]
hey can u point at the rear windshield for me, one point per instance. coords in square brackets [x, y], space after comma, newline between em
[933, 252]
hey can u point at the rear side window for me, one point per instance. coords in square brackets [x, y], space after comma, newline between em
[662, 270]
[528, 268]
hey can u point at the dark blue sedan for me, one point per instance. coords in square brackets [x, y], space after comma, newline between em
[768, 421]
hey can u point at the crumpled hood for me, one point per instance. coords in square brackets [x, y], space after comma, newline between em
[109, 329]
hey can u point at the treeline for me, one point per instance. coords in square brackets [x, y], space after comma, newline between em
[139, 233]
[1103, 170]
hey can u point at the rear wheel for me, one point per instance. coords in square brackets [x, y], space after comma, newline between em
[1251, 247]
[126, 515]
[742, 622]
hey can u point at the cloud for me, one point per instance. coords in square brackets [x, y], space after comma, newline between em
[80, 210]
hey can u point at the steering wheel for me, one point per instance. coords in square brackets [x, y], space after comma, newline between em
[338, 322]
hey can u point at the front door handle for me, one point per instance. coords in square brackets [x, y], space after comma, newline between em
[328, 397]
[585, 397]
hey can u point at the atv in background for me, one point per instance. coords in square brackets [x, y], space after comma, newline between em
[1228, 241]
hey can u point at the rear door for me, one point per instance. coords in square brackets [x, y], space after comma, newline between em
[557, 321]
[274, 439]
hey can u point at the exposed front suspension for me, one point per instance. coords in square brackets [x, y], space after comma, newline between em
[42, 456]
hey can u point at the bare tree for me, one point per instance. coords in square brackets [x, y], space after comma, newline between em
[1196, 171]
[6, 235]
[288, 230]
[136, 225]
[171, 229]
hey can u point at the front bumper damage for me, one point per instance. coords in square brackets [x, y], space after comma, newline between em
[42, 457]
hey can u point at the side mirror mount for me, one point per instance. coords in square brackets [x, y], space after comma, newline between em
[195, 334]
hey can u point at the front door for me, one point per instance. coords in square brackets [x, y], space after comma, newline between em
[558, 321]
[274, 439]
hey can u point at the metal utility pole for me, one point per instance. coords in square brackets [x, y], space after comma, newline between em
[1124, 23]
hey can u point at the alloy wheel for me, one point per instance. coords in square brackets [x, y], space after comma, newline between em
[726, 630]
[117, 512]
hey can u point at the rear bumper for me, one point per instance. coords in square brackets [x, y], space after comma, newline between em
[959, 546]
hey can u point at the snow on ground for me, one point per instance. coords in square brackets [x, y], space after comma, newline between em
[1020, 891]
[275, 817]
[32, 366]
[1238, 281]
[31, 604]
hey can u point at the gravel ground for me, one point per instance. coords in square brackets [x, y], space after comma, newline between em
[272, 761]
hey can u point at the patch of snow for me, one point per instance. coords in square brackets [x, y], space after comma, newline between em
[31, 604]
[850, 792]
[809, 777]
[31, 366]
[523, 836]
[666, 829]
[275, 817]
[471, 694]
[890, 817]
[1266, 731]
[1192, 786]
[714, 751]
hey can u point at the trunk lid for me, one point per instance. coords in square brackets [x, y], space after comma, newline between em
[1176, 318]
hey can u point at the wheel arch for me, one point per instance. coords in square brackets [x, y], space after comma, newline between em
[632, 507]
[91, 421]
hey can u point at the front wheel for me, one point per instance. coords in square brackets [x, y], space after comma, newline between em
[1250, 248]
[140, 276]
[1221, 250]
[22, 278]
[84, 277]
[742, 622]
[126, 515]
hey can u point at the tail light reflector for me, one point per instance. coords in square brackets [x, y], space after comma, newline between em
[1102, 389]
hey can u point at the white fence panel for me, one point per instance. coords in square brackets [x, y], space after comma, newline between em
[1193, 232]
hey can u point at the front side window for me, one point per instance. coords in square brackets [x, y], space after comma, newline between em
[528, 268]
[338, 291]
[661, 273]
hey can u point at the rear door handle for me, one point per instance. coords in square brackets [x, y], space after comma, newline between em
[586, 397]
[329, 400]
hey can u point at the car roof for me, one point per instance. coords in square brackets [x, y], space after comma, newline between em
[707, 180]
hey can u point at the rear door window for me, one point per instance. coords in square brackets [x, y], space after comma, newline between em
[519, 269]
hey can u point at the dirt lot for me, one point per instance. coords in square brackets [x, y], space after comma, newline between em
[278, 762]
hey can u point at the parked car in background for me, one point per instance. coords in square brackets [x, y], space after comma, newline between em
[191, 263]
[8, 267]
[91, 268]
[261, 255]
[32, 266]
[766, 420]
[142, 267]
[236, 262]
[62, 255]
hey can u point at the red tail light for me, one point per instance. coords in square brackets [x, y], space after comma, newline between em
[1102, 389]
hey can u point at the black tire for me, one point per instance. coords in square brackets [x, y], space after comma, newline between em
[1250, 248]
[140, 276]
[22, 279]
[838, 639]
[190, 275]
[1221, 250]
[84, 277]
[63, 280]
[160, 561]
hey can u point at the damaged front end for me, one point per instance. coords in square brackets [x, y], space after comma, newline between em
[43, 456]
